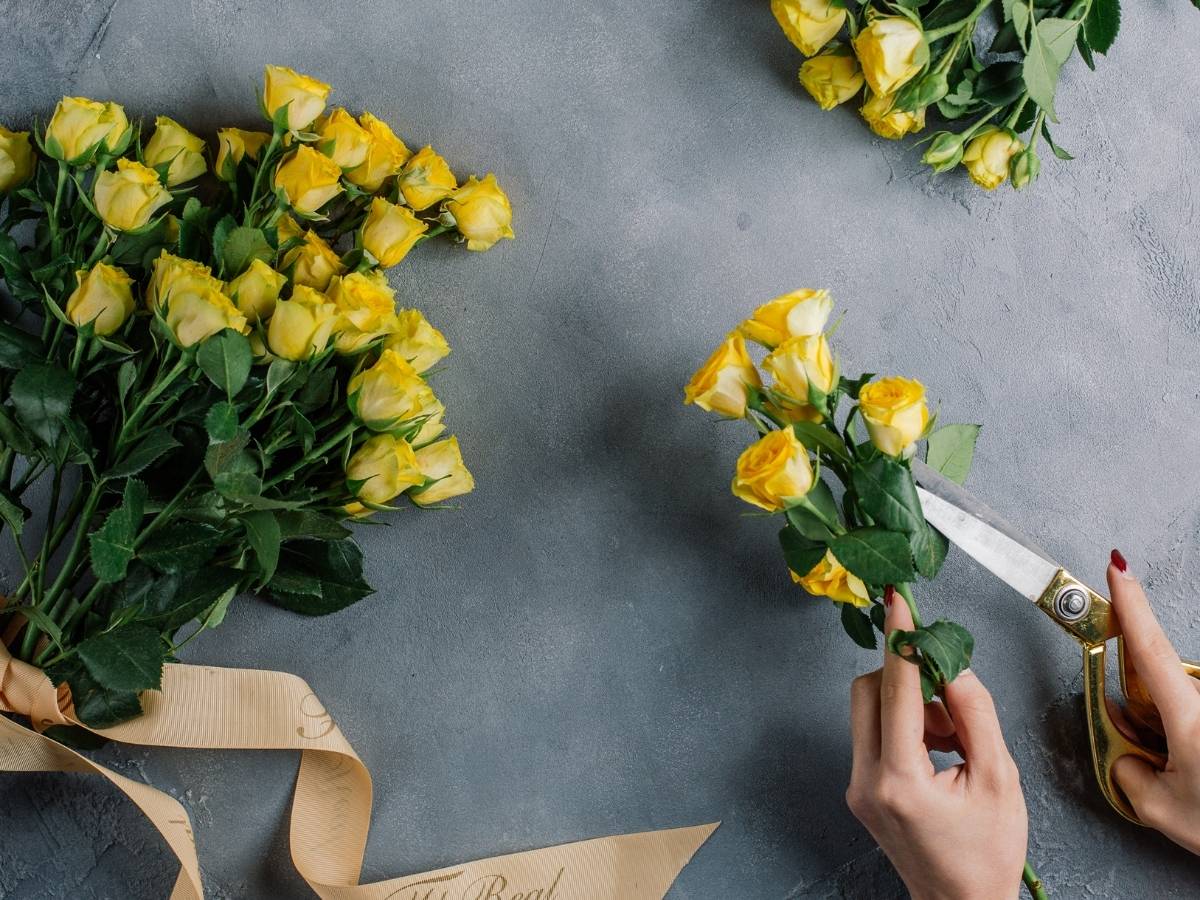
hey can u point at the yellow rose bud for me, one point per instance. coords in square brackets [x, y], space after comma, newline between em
[833, 77]
[314, 262]
[385, 157]
[442, 464]
[390, 231]
[431, 422]
[256, 290]
[481, 212]
[422, 345]
[809, 24]
[342, 139]
[988, 155]
[797, 314]
[390, 393]
[426, 179]
[304, 97]
[878, 114]
[800, 365]
[829, 578]
[774, 471]
[171, 273]
[128, 197]
[892, 51]
[197, 312]
[287, 229]
[383, 468]
[309, 178]
[895, 412]
[366, 305]
[172, 143]
[103, 298]
[16, 159]
[720, 385]
[234, 145]
[300, 327]
[80, 126]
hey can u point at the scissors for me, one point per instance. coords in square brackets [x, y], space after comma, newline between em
[1073, 606]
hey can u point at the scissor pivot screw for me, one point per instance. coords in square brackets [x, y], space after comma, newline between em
[1072, 604]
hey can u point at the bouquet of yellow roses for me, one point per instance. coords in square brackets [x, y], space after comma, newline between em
[210, 374]
[917, 56]
[808, 417]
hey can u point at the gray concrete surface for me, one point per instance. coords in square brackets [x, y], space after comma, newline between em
[600, 641]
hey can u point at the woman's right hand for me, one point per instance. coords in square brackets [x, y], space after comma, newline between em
[1168, 800]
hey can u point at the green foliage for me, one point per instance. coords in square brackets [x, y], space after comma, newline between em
[951, 449]
[317, 577]
[127, 658]
[226, 360]
[942, 650]
[875, 555]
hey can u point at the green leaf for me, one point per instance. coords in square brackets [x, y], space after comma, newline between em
[128, 658]
[1050, 43]
[1020, 19]
[929, 549]
[999, 84]
[858, 625]
[95, 705]
[112, 543]
[181, 546]
[222, 456]
[1058, 151]
[1102, 24]
[221, 422]
[242, 246]
[13, 513]
[41, 395]
[226, 359]
[951, 449]
[146, 453]
[887, 494]
[216, 613]
[875, 555]
[18, 349]
[818, 437]
[42, 620]
[263, 533]
[171, 601]
[14, 436]
[943, 650]
[800, 553]
[309, 523]
[240, 478]
[319, 577]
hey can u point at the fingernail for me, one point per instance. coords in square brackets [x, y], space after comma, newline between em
[889, 597]
[1119, 561]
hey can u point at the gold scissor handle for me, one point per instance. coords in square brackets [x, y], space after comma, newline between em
[1140, 705]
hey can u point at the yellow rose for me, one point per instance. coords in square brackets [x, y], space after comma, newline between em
[481, 212]
[878, 114]
[16, 159]
[431, 422]
[80, 126]
[895, 412]
[426, 179]
[389, 393]
[256, 290]
[300, 327]
[892, 51]
[829, 578]
[809, 24]
[442, 464]
[799, 365]
[171, 273]
[314, 262]
[385, 157]
[422, 345]
[287, 229]
[304, 97]
[383, 468]
[988, 155]
[197, 312]
[128, 197]
[342, 139]
[234, 145]
[720, 385]
[366, 308]
[309, 178]
[390, 231]
[833, 77]
[172, 143]
[797, 314]
[104, 298]
[774, 471]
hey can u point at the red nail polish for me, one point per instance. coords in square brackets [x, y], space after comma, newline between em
[1119, 561]
[889, 597]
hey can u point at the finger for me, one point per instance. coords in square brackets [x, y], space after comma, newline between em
[939, 729]
[902, 713]
[864, 724]
[1147, 644]
[977, 727]
[1140, 783]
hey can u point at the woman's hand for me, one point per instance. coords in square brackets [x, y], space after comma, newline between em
[958, 834]
[1168, 800]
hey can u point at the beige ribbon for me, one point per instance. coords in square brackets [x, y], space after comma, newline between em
[248, 709]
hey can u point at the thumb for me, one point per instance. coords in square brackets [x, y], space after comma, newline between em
[977, 726]
[1140, 782]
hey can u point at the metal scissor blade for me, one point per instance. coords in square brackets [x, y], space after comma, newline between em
[1026, 570]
